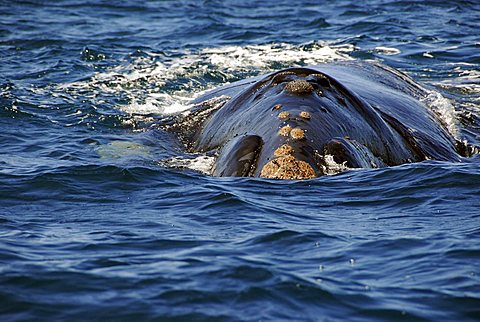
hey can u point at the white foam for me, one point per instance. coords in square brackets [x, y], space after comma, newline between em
[388, 51]
[331, 167]
[444, 110]
[150, 84]
[263, 56]
[465, 81]
[158, 103]
[201, 163]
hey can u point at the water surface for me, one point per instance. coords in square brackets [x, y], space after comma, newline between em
[94, 226]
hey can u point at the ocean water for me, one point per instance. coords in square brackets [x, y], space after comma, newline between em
[104, 216]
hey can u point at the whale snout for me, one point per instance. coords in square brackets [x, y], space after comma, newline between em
[289, 156]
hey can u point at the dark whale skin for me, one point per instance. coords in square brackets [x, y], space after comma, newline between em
[285, 124]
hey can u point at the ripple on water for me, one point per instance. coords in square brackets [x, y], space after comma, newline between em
[94, 229]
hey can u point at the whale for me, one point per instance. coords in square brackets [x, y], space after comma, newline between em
[295, 123]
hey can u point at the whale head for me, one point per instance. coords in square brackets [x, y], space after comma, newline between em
[287, 125]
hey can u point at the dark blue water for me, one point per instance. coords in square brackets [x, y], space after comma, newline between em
[94, 226]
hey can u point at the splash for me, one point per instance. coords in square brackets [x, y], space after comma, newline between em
[331, 167]
[200, 163]
[464, 85]
[444, 110]
[265, 57]
[165, 83]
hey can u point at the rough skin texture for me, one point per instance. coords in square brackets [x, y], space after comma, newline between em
[297, 133]
[305, 115]
[284, 150]
[283, 115]
[287, 168]
[285, 131]
[299, 87]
